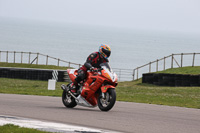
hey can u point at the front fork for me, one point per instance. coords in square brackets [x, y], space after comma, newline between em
[103, 95]
[105, 98]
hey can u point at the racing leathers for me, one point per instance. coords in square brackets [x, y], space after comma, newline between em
[93, 61]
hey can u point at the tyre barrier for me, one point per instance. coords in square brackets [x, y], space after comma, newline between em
[32, 74]
[163, 79]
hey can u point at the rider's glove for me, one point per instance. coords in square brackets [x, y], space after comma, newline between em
[93, 69]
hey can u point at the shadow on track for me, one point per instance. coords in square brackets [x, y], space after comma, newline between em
[75, 109]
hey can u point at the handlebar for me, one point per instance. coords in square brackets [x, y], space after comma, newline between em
[96, 69]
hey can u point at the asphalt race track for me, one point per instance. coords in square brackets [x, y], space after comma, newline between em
[124, 117]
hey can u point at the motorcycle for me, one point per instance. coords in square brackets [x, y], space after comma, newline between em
[97, 89]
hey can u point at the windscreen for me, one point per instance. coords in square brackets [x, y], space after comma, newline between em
[106, 65]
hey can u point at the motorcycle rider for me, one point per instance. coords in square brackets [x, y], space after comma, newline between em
[92, 63]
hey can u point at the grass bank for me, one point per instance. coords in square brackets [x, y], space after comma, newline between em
[10, 128]
[134, 91]
[183, 70]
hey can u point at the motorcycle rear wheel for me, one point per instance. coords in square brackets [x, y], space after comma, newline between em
[68, 100]
[105, 104]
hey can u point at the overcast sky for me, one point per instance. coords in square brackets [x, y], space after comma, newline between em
[166, 15]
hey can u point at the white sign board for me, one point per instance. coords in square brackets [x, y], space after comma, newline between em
[51, 84]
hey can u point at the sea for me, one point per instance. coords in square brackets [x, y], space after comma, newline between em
[74, 42]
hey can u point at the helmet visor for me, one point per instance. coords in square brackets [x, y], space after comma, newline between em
[106, 53]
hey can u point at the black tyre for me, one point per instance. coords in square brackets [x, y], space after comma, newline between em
[106, 103]
[68, 100]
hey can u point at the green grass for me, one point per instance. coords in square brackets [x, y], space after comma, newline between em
[28, 87]
[10, 128]
[183, 70]
[19, 65]
[133, 91]
[145, 93]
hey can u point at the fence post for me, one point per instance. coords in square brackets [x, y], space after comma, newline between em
[157, 65]
[164, 63]
[172, 61]
[29, 58]
[58, 61]
[47, 60]
[149, 66]
[133, 74]
[37, 58]
[14, 56]
[69, 64]
[21, 57]
[119, 74]
[7, 57]
[0, 56]
[193, 59]
[137, 73]
[181, 59]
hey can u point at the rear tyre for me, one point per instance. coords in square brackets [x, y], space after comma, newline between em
[68, 100]
[107, 102]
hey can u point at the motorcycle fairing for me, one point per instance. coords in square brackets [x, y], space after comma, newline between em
[105, 88]
[83, 102]
[91, 85]
[109, 74]
[72, 74]
[89, 96]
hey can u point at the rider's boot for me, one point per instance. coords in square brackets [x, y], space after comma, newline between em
[73, 87]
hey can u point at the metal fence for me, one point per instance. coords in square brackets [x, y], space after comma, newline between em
[41, 59]
[171, 61]
[124, 74]
[33, 58]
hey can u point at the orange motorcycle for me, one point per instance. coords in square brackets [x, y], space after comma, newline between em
[97, 89]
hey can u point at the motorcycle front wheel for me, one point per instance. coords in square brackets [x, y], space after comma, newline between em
[106, 102]
[68, 100]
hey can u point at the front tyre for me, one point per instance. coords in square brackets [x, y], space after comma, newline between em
[106, 102]
[68, 100]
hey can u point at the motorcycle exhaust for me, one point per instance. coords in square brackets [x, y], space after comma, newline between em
[73, 96]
